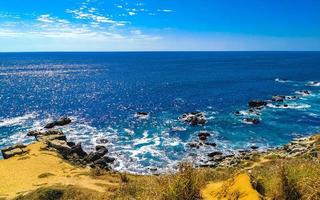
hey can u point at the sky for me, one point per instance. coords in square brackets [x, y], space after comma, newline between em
[159, 25]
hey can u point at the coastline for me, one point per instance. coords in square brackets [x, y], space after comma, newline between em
[43, 165]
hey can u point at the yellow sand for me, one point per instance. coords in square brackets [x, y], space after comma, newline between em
[20, 174]
[238, 187]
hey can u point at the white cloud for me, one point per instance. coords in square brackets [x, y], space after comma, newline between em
[45, 18]
[132, 13]
[165, 10]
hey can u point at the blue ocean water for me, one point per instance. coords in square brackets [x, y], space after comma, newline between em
[101, 92]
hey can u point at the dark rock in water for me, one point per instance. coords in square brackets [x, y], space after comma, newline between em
[100, 151]
[60, 122]
[77, 149]
[254, 147]
[194, 118]
[17, 149]
[237, 113]
[203, 135]
[278, 98]
[304, 92]
[211, 144]
[47, 135]
[257, 104]
[105, 159]
[251, 121]
[194, 145]
[142, 115]
[215, 153]
[104, 140]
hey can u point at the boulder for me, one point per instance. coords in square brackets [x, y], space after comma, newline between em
[60, 122]
[211, 144]
[203, 135]
[257, 104]
[77, 149]
[61, 146]
[100, 152]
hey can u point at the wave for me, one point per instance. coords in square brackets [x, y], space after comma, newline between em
[313, 83]
[7, 122]
[279, 80]
[289, 106]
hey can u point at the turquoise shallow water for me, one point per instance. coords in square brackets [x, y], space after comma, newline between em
[101, 92]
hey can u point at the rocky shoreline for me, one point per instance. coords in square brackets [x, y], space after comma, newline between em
[55, 140]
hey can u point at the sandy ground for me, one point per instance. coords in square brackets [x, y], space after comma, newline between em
[39, 167]
[238, 187]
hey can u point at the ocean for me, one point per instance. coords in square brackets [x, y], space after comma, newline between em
[102, 92]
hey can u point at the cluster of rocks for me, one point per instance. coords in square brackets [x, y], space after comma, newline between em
[202, 140]
[194, 118]
[309, 146]
[57, 140]
[255, 106]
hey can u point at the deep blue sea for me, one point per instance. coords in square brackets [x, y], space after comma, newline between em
[101, 92]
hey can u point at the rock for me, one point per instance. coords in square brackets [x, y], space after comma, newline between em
[105, 159]
[237, 113]
[194, 145]
[251, 121]
[60, 122]
[215, 153]
[211, 144]
[278, 98]
[71, 144]
[203, 135]
[17, 149]
[100, 152]
[103, 140]
[304, 92]
[194, 118]
[254, 147]
[257, 104]
[61, 146]
[77, 149]
[142, 115]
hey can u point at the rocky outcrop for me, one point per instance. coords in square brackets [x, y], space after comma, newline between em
[60, 122]
[194, 118]
[17, 149]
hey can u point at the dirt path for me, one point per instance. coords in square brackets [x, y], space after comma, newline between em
[236, 188]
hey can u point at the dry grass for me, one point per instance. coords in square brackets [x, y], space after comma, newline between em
[291, 179]
[63, 193]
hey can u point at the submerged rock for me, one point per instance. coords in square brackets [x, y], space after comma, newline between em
[251, 121]
[203, 135]
[278, 98]
[142, 115]
[257, 104]
[194, 118]
[60, 122]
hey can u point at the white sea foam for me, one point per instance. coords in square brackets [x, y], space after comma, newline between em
[289, 106]
[282, 80]
[313, 83]
[7, 122]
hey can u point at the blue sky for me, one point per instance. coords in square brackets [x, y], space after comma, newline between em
[142, 25]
